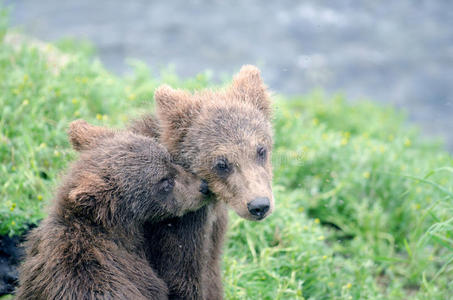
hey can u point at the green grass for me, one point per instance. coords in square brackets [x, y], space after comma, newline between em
[364, 206]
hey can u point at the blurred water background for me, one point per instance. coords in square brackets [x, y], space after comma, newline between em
[397, 52]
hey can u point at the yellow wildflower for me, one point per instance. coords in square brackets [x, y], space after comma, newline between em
[407, 142]
[366, 175]
[132, 97]
[99, 116]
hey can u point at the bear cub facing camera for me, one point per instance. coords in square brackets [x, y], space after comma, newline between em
[223, 136]
[91, 245]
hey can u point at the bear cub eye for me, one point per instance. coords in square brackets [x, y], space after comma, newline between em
[222, 166]
[261, 152]
[166, 185]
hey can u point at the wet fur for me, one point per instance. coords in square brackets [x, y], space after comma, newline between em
[196, 129]
[91, 245]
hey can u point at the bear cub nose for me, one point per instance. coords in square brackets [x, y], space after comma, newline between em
[259, 206]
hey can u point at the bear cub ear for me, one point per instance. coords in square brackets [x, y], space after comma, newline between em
[173, 103]
[249, 87]
[83, 136]
[175, 108]
[166, 98]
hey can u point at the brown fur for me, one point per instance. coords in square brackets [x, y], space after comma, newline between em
[198, 130]
[91, 245]
[148, 126]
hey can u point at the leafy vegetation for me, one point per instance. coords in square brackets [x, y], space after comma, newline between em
[364, 206]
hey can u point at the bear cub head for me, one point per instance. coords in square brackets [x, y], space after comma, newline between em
[225, 137]
[124, 179]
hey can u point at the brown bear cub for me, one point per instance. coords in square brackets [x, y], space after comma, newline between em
[225, 138]
[91, 245]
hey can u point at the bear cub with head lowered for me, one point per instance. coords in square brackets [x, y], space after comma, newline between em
[91, 245]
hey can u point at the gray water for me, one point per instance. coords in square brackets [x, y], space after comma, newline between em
[397, 52]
